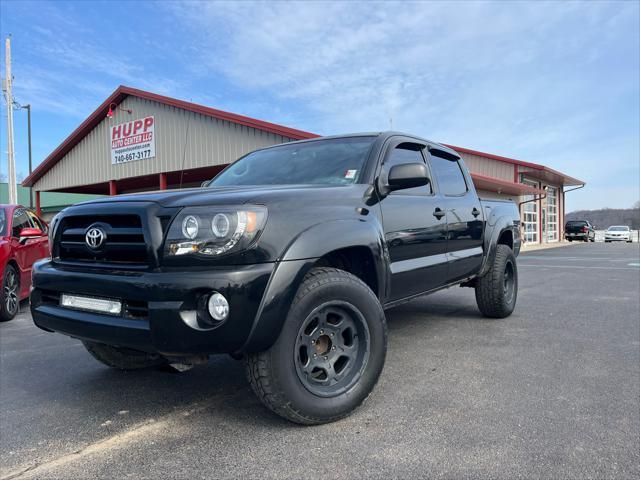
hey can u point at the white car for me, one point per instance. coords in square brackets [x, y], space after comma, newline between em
[617, 233]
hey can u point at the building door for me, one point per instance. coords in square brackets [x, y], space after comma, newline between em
[530, 215]
[552, 214]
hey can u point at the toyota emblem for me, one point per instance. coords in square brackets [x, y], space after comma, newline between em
[95, 237]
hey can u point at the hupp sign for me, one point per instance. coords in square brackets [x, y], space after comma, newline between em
[134, 140]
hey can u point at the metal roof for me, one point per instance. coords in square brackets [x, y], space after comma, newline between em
[122, 92]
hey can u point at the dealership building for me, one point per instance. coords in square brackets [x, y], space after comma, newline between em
[140, 141]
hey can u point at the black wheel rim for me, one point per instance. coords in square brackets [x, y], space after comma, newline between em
[11, 292]
[332, 349]
[509, 282]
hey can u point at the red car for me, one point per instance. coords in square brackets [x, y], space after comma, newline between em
[23, 240]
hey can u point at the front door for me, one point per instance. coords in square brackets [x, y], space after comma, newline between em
[415, 230]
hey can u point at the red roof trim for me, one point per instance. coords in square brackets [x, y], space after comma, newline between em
[121, 93]
[509, 187]
[513, 161]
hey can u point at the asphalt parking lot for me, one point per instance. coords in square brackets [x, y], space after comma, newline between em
[551, 392]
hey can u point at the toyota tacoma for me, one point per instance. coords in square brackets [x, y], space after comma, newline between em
[288, 258]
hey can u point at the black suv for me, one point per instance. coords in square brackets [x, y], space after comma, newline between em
[287, 258]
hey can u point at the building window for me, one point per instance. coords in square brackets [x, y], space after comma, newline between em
[552, 214]
[530, 215]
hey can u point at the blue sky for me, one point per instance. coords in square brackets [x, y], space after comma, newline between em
[556, 83]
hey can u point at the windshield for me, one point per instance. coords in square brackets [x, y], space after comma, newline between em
[3, 222]
[618, 229]
[336, 161]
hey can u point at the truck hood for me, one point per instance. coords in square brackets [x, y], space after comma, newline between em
[228, 195]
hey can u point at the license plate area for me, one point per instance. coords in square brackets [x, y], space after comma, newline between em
[108, 306]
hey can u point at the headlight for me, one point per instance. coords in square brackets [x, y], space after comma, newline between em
[190, 227]
[214, 231]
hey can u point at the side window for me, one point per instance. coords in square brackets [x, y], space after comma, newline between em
[20, 221]
[37, 222]
[407, 153]
[449, 175]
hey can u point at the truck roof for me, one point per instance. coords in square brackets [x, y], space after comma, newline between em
[383, 135]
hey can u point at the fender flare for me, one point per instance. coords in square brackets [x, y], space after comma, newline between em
[496, 226]
[298, 258]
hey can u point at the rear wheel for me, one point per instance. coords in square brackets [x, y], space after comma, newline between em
[497, 290]
[329, 354]
[10, 294]
[123, 358]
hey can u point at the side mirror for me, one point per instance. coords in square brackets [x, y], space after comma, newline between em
[407, 175]
[205, 184]
[27, 233]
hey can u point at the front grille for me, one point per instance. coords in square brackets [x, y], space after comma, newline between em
[124, 243]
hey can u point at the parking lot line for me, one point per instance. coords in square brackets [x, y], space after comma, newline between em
[575, 266]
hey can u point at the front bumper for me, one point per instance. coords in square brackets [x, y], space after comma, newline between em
[616, 239]
[157, 298]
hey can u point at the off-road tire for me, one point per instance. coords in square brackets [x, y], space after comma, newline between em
[9, 312]
[492, 295]
[273, 373]
[123, 358]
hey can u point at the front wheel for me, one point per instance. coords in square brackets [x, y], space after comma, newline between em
[329, 354]
[10, 294]
[497, 290]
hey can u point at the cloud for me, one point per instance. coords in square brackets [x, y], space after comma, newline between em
[539, 81]
[549, 82]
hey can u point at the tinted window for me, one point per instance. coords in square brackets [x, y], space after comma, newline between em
[20, 221]
[37, 222]
[407, 153]
[335, 161]
[577, 223]
[449, 175]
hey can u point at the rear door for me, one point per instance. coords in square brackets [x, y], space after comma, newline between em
[465, 223]
[415, 229]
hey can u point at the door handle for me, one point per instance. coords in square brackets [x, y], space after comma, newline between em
[475, 212]
[438, 213]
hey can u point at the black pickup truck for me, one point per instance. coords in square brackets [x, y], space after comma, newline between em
[287, 258]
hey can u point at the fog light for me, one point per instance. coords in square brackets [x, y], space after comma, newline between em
[218, 307]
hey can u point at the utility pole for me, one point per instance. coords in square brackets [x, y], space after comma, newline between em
[28, 107]
[11, 160]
